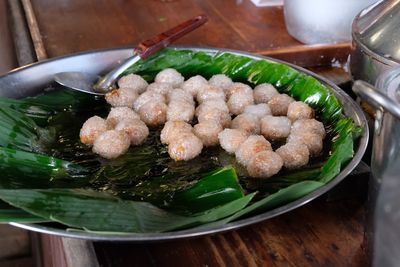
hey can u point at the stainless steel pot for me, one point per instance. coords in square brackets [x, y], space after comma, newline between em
[383, 235]
[376, 40]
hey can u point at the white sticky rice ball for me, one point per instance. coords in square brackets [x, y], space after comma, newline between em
[264, 92]
[208, 132]
[221, 80]
[133, 81]
[214, 114]
[123, 97]
[294, 155]
[251, 146]
[259, 110]
[310, 126]
[173, 130]
[210, 92]
[275, 128]
[264, 164]
[161, 88]
[147, 96]
[279, 104]
[92, 129]
[238, 88]
[313, 141]
[170, 76]
[231, 139]
[180, 111]
[120, 113]
[246, 122]
[239, 101]
[179, 94]
[186, 147]
[219, 104]
[194, 84]
[135, 129]
[298, 110]
[153, 113]
[111, 144]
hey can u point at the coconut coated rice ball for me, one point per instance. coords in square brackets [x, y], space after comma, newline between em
[135, 129]
[186, 147]
[264, 164]
[123, 97]
[92, 129]
[231, 139]
[246, 122]
[279, 104]
[298, 110]
[174, 129]
[275, 128]
[259, 110]
[134, 82]
[111, 144]
[294, 155]
[220, 80]
[170, 76]
[208, 132]
[120, 113]
[146, 97]
[264, 92]
[153, 113]
[194, 84]
[251, 146]
[180, 111]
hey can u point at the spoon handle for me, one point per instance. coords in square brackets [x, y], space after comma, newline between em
[148, 48]
[153, 45]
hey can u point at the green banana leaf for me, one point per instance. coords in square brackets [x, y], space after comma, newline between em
[146, 174]
[97, 211]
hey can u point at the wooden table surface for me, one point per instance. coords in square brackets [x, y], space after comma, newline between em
[321, 233]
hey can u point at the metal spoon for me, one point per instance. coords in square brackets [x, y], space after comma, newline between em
[94, 84]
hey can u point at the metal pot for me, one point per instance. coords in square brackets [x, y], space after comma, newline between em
[376, 40]
[383, 233]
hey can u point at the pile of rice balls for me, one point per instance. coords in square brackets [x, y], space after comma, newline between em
[242, 120]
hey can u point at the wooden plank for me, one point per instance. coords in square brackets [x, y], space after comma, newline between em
[318, 234]
[14, 242]
[7, 55]
[38, 44]
[20, 33]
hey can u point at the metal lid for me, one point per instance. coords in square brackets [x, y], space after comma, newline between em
[378, 28]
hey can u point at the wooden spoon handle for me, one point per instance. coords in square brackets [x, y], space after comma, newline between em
[153, 45]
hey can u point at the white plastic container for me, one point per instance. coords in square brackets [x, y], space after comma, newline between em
[322, 21]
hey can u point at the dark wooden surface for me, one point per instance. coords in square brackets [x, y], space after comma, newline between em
[322, 233]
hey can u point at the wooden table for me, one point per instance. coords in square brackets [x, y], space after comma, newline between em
[322, 233]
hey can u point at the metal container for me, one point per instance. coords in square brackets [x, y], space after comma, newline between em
[376, 40]
[383, 231]
[34, 78]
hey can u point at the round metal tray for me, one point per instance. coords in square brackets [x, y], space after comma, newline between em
[32, 79]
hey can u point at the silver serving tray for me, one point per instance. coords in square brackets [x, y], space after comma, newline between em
[32, 79]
